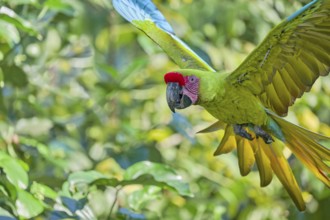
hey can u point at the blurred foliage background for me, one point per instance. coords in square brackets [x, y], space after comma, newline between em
[86, 132]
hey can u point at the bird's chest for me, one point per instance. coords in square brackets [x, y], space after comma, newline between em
[236, 106]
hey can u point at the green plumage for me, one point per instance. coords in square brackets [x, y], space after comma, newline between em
[229, 104]
[284, 66]
[289, 60]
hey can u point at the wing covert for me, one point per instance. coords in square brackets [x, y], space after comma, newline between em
[289, 60]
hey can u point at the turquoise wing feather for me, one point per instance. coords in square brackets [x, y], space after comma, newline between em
[145, 16]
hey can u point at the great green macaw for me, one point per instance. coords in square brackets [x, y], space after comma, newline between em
[250, 102]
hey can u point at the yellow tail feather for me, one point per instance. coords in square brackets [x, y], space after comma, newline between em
[245, 155]
[269, 158]
[304, 145]
[263, 163]
[282, 169]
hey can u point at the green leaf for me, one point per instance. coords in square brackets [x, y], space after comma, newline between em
[144, 173]
[7, 189]
[91, 178]
[14, 171]
[162, 174]
[139, 198]
[87, 177]
[15, 76]
[60, 6]
[8, 15]
[41, 191]
[9, 33]
[27, 205]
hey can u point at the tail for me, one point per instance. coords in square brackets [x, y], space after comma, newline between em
[305, 145]
[269, 158]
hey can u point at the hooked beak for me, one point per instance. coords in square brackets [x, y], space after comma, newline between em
[175, 98]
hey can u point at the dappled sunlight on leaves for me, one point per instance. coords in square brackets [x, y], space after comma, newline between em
[86, 132]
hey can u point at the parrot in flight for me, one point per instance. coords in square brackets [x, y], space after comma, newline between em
[250, 102]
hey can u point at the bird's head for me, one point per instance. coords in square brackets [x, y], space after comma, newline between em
[182, 90]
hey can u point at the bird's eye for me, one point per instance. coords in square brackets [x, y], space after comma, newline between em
[192, 78]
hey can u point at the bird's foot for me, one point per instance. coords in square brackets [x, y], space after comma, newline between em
[240, 130]
[263, 134]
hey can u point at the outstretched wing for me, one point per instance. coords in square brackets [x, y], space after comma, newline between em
[290, 59]
[145, 16]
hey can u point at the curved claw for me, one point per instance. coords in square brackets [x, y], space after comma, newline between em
[263, 134]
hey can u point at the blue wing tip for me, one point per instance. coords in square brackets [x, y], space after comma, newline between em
[141, 10]
[300, 11]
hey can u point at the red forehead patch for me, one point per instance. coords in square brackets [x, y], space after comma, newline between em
[174, 77]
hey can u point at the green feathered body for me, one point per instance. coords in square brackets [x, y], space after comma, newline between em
[229, 104]
[260, 91]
